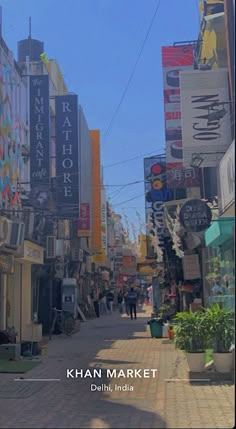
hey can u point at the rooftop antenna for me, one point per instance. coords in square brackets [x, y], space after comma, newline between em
[30, 27]
[0, 22]
[30, 39]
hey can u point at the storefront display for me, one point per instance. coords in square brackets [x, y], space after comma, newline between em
[221, 267]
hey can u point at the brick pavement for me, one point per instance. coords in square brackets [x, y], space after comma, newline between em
[114, 342]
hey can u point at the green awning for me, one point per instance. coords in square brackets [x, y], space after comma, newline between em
[220, 231]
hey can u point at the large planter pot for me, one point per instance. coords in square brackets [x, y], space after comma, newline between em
[223, 361]
[196, 361]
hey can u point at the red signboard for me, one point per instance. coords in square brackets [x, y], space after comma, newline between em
[180, 177]
[177, 55]
[174, 60]
[83, 225]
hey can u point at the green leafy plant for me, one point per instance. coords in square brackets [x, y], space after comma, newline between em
[214, 273]
[164, 310]
[192, 331]
[221, 328]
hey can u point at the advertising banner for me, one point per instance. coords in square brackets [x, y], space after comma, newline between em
[191, 267]
[174, 60]
[180, 177]
[227, 179]
[206, 127]
[156, 193]
[39, 131]
[67, 157]
[104, 220]
[84, 221]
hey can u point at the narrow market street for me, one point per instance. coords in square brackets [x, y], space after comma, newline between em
[114, 342]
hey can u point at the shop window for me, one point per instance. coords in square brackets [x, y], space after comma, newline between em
[221, 278]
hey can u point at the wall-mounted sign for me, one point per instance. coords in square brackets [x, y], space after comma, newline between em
[83, 224]
[7, 264]
[39, 130]
[227, 178]
[205, 129]
[180, 177]
[100, 258]
[195, 215]
[104, 220]
[191, 267]
[156, 194]
[174, 60]
[67, 156]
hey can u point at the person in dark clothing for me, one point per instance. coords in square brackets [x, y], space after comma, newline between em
[132, 301]
[120, 302]
[126, 303]
[110, 300]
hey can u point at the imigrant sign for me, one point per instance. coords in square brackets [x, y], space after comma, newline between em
[39, 131]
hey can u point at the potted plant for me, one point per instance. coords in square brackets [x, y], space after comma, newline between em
[164, 311]
[191, 336]
[221, 329]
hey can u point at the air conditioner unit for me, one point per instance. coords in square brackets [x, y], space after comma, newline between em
[60, 247]
[77, 254]
[12, 233]
[50, 247]
[61, 229]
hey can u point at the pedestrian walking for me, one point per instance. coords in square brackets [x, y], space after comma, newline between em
[120, 302]
[132, 300]
[103, 304]
[110, 301]
[126, 303]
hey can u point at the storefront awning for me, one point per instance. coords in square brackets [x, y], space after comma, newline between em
[220, 231]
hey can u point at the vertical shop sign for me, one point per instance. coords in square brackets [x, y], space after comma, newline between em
[39, 131]
[67, 155]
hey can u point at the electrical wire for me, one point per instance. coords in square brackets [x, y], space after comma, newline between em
[128, 160]
[132, 72]
[131, 199]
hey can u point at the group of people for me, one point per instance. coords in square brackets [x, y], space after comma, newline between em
[106, 302]
[126, 302]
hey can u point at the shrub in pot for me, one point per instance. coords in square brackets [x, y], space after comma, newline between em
[221, 329]
[191, 336]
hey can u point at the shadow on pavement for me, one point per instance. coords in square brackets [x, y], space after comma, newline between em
[70, 403]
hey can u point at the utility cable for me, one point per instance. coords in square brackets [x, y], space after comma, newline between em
[133, 71]
[129, 159]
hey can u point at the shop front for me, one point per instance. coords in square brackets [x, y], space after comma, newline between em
[221, 270]
[20, 294]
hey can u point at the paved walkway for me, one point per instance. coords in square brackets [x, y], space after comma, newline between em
[114, 342]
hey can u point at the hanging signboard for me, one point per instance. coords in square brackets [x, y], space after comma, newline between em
[67, 155]
[191, 267]
[39, 130]
[83, 224]
[195, 215]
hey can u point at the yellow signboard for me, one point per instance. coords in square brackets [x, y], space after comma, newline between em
[100, 257]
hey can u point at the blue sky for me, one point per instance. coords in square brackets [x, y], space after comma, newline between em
[96, 43]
